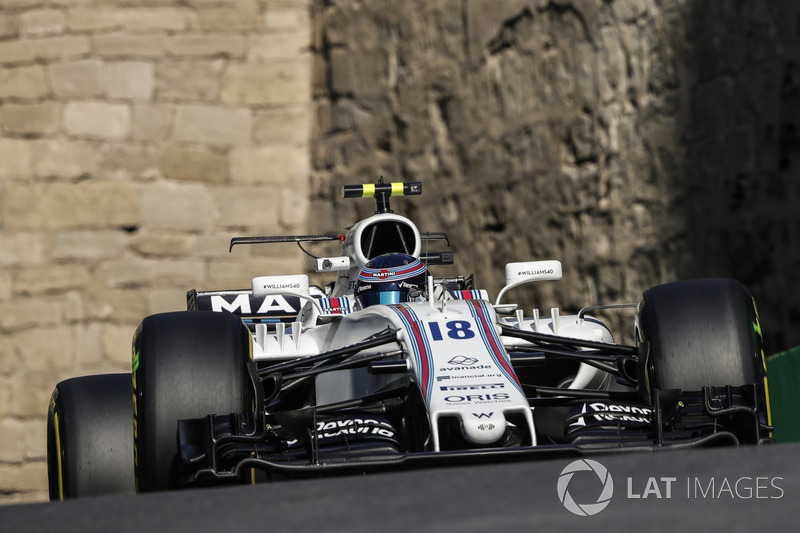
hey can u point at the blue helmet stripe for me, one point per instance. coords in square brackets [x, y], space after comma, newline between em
[393, 273]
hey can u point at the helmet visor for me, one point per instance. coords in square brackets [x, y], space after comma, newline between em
[383, 297]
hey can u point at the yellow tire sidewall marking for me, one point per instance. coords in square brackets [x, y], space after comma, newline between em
[58, 457]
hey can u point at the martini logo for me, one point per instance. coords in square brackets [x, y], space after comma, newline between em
[566, 479]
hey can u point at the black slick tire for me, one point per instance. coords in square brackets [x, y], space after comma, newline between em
[702, 333]
[187, 364]
[90, 437]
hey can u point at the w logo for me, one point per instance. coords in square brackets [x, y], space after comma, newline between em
[483, 415]
[585, 509]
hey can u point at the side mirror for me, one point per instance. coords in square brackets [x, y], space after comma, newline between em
[529, 271]
[294, 284]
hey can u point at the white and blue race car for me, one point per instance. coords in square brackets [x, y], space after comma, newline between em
[389, 367]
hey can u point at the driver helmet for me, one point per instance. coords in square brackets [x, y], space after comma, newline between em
[390, 279]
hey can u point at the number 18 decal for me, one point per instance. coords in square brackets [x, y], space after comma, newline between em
[456, 329]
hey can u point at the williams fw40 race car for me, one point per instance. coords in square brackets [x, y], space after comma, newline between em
[390, 367]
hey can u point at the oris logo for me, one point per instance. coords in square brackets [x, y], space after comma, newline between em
[498, 397]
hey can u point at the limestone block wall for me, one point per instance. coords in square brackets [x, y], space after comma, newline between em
[136, 138]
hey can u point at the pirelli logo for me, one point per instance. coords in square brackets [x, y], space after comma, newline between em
[473, 387]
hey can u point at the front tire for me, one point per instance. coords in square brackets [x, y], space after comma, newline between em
[187, 364]
[703, 333]
[90, 437]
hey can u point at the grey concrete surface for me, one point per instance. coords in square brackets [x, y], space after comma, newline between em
[737, 489]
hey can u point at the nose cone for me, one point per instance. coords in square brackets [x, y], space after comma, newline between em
[483, 428]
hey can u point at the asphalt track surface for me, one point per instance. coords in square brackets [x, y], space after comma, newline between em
[738, 489]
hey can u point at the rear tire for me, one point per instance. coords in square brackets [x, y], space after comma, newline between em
[90, 437]
[187, 364]
[703, 333]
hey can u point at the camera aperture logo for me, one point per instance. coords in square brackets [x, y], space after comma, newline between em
[585, 509]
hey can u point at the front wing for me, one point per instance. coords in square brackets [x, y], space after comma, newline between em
[379, 432]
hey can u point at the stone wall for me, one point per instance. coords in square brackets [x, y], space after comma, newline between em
[638, 141]
[136, 138]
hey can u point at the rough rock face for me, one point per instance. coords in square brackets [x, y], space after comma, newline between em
[638, 141]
